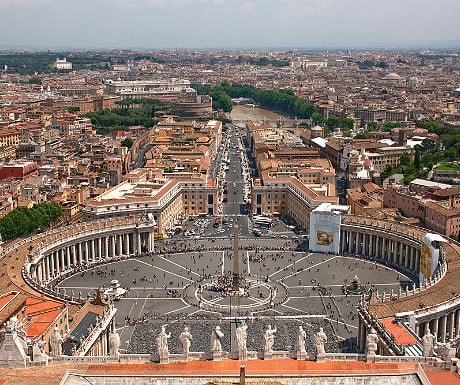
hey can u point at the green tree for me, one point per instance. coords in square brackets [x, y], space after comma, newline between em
[405, 159]
[387, 172]
[22, 221]
[128, 142]
[417, 160]
[35, 81]
[72, 110]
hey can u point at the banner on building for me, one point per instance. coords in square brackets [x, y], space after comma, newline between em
[324, 238]
[425, 261]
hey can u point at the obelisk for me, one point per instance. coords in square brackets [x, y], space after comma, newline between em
[236, 263]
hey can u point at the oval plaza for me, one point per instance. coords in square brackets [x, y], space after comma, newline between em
[32, 267]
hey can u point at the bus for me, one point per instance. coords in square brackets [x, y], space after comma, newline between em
[263, 222]
[216, 222]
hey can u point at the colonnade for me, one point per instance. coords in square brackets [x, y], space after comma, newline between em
[90, 249]
[399, 251]
[444, 325]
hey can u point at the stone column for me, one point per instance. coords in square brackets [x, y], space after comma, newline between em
[139, 242]
[112, 241]
[80, 253]
[38, 272]
[67, 249]
[47, 267]
[74, 254]
[128, 251]
[52, 263]
[151, 241]
[406, 256]
[371, 246]
[457, 323]
[99, 248]
[63, 259]
[86, 252]
[93, 250]
[435, 327]
[450, 325]
[411, 258]
[106, 248]
[443, 327]
[119, 244]
[342, 240]
[57, 262]
[417, 260]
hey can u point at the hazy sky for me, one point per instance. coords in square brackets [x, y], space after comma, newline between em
[226, 23]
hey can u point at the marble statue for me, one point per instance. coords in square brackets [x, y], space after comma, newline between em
[320, 340]
[429, 341]
[186, 340]
[162, 343]
[269, 339]
[55, 342]
[371, 343]
[216, 337]
[241, 337]
[114, 344]
[301, 337]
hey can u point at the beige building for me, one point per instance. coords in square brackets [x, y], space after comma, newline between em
[289, 196]
[168, 200]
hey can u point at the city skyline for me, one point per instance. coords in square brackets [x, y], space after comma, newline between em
[199, 24]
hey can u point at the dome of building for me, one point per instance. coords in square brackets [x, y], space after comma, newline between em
[392, 76]
[413, 80]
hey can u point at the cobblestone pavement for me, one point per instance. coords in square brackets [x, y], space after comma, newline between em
[157, 292]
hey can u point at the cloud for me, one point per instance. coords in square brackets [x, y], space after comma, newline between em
[7, 3]
[247, 6]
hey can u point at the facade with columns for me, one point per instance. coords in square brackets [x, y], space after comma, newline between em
[434, 303]
[94, 242]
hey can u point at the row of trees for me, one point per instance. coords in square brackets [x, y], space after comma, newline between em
[284, 101]
[132, 112]
[23, 221]
[368, 64]
[265, 61]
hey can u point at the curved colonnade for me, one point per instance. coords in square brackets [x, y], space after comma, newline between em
[435, 304]
[87, 244]
[46, 256]
[29, 264]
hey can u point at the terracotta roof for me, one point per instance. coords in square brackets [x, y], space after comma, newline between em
[447, 192]
[447, 212]
[402, 336]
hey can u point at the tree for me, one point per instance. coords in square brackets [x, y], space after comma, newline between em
[128, 142]
[22, 221]
[35, 81]
[405, 159]
[387, 172]
[417, 161]
[382, 64]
